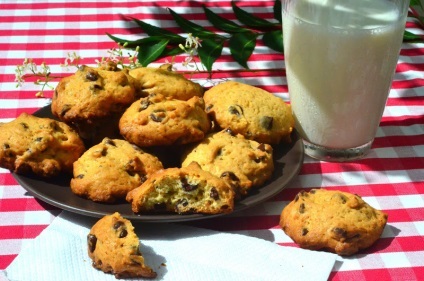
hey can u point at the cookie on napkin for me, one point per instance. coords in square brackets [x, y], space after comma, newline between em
[337, 221]
[115, 248]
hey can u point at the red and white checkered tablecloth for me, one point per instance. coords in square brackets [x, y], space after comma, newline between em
[390, 178]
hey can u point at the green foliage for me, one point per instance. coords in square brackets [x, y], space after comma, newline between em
[241, 40]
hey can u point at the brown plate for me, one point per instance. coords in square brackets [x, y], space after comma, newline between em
[288, 160]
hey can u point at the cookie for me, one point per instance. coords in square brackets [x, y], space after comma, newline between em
[93, 99]
[243, 163]
[336, 221]
[250, 111]
[106, 172]
[114, 248]
[182, 190]
[41, 146]
[157, 120]
[164, 81]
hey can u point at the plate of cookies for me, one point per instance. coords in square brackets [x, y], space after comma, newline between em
[154, 146]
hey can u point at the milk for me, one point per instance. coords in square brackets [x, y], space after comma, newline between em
[339, 73]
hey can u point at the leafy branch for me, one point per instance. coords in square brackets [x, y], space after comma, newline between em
[241, 40]
[416, 11]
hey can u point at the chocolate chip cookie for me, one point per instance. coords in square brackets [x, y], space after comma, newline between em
[93, 99]
[114, 248]
[106, 172]
[250, 111]
[243, 163]
[42, 146]
[164, 81]
[336, 221]
[157, 120]
[184, 191]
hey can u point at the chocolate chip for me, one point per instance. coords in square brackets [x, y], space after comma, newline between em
[96, 87]
[181, 202]
[80, 176]
[65, 108]
[208, 108]
[144, 104]
[118, 224]
[259, 159]
[343, 198]
[24, 125]
[340, 232]
[214, 194]
[313, 191]
[236, 110]
[230, 175]
[160, 206]
[188, 187]
[104, 151]
[296, 198]
[91, 75]
[229, 131]
[110, 142]
[302, 208]
[123, 233]
[261, 147]
[266, 122]
[91, 241]
[38, 139]
[6, 146]
[158, 116]
[304, 231]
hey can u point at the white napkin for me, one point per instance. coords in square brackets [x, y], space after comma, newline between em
[175, 252]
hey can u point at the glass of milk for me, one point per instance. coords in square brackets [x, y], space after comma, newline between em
[340, 58]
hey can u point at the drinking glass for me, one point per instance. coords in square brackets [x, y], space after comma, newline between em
[340, 58]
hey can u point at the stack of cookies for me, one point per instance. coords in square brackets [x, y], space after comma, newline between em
[126, 124]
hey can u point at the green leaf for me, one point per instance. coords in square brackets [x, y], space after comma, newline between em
[150, 52]
[412, 38]
[132, 44]
[249, 19]
[209, 52]
[171, 52]
[274, 40]
[222, 23]
[152, 30]
[277, 11]
[242, 46]
[190, 27]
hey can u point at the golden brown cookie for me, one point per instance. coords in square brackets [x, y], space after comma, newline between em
[109, 170]
[42, 146]
[164, 81]
[336, 221]
[93, 99]
[250, 111]
[114, 248]
[183, 190]
[241, 162]
[157, 120]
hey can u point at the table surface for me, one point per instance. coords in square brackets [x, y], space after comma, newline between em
[390, 177]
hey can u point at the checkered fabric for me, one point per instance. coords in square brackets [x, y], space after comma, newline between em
[390, 178]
